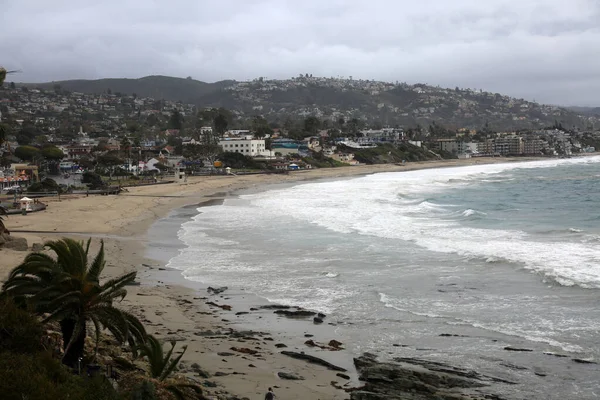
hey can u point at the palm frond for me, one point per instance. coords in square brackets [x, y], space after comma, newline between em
[98, 264]
[173, 364]
[34, 264]
[109, 315]
[98, 329]
[119, 282]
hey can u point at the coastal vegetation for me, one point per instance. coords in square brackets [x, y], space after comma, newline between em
[162, 366]
[48, 306]
[388, 153]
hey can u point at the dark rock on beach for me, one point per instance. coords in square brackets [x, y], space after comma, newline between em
[221, 306]
[510, 348]
[244, 350]
[313, 360]
[582, 361]
[17, 244]
[275, 307]
[216, 290]
[317, 320]
[288, 376]
[296, 313]
[37, 247]
[414, 379]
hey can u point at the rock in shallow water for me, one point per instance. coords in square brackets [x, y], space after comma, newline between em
[413, 379]
[510, 348]
[216, 290]
[296, 314]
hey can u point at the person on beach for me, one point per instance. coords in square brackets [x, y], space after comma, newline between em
[270, 395]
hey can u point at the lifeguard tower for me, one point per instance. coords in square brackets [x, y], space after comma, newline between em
[26, 204]
[180, 175]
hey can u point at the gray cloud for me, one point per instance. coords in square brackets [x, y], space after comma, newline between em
[547, 50]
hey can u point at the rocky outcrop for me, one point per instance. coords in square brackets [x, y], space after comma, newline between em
[414, 379]
[290, 377]
[296, 313]
[313, 360]
[13, 243]
[216, 290]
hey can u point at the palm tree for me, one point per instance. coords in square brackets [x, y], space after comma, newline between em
[68, 290]
[2, 134]
[3, 213]
[161, 366]
[3, 73]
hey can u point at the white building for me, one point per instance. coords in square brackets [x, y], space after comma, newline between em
[248, 147]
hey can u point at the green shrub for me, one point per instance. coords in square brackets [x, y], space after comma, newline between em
[27, 371]
[40, 377]
[92, 179]
[20, 331]
[238, 161]
[47, 185]
[146, 391]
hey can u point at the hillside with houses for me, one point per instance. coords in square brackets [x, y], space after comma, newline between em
[57, 132]
[374, 102]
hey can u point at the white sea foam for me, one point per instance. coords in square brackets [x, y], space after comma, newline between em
[377, 205]
[387, 205]
[470, 212]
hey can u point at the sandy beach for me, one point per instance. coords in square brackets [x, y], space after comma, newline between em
[173, 311]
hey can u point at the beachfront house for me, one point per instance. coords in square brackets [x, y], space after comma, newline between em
[247, 147]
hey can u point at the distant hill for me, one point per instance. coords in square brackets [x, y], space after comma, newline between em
[156, 86]
[332, 98]
[591, 111]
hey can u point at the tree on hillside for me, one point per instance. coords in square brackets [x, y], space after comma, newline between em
[27, 134]
[218, 118]
[125, 146]
[260, 127]
[176, 120]
[3, 133]
[312, 125]
[67, 288]
[110, 161]
[220, 124]
[208, 147]
[27, 153]
[52, 153]
[353, 126]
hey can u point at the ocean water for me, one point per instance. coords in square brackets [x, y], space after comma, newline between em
[498, 255]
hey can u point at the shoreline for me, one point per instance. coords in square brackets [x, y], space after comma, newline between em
[175, 310]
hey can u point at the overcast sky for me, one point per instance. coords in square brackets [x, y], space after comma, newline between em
[543, 50]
